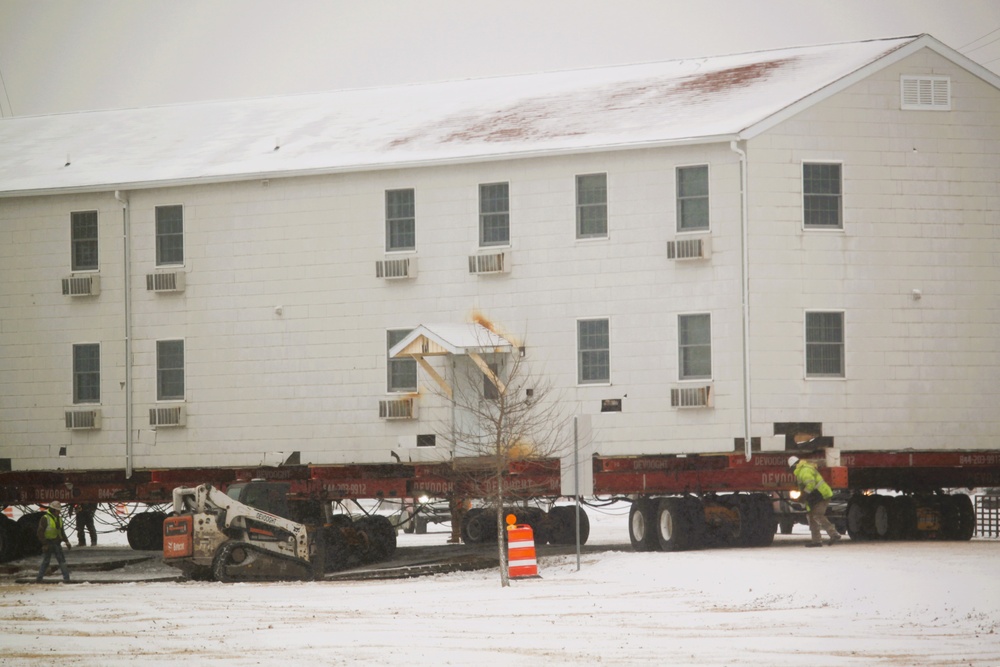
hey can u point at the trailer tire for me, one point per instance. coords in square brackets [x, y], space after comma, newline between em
[9, 544]
[786, 524]
[859, 518]
[28, 533]
[674, 529]
[477, 527]
[764, 529]
[966, 517]
[562, 525]
[883, 517]
[381, 537]
[641, 525]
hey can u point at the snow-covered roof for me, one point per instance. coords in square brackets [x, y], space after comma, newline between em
[460, 339]
[693, 100]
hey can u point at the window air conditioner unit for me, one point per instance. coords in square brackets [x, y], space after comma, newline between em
[497, 262]
[397, 408]
[165, 282]
[81, 285]
[395, 269]
[164, 417]
[691, 397]
[79, 420]
[693, 248]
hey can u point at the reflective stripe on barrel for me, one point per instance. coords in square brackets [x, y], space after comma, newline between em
[521, 551]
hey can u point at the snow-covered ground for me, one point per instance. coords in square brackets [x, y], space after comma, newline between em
[856, 604]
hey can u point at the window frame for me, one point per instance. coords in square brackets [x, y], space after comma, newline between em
[808, 345]
[76, 243]
[393, 220]
[162, 237]
[162, 371]
[581, 352]
[393, 336]
[680, 199]
[582, 206]
[806, 225]
[484, 214]
[79, 374]
[683, 347]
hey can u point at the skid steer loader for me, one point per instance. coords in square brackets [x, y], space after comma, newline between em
[253, 533]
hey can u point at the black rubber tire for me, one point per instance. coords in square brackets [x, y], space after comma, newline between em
[764, 529]
[381, 537]
[786, 524]
[642, 525]
[958, 517]
[859, 518]
[883, 517]
[561, 525]
[534, 517]
[478, 526]
[9, 542]
[28, 526]
[673, 525]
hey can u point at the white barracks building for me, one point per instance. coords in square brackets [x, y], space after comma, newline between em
[785, 244]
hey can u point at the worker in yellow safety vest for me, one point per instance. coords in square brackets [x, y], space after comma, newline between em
[50, 534]
[816, 494]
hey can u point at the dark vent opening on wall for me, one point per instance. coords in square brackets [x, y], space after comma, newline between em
[427, 440]
[5, 465]
[738, 444]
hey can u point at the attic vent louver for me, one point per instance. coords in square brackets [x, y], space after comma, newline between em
[929, 93]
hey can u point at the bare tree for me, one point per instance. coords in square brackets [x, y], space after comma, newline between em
[504, 419]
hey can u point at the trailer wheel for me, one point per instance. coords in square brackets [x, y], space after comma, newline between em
[477, 527]
[764, 526]
[859, 518]
[958, 517]
[786, 524]
[28, 527]
[641, 523]
[882, 517]
[8, 539]
[381, 537]
[562, 525]
[674, 529]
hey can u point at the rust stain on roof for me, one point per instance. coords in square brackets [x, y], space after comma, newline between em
[734, 77]
[589, 110]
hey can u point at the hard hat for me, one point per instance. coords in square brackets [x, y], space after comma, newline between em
[55, 505]
[792, 460]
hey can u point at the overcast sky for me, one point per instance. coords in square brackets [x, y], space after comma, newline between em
[71, 55]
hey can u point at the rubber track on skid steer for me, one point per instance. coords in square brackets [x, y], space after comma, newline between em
[305, 569]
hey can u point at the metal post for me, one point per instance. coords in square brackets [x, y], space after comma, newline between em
[576, 486]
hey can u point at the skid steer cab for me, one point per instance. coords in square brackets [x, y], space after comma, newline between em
[256, 532]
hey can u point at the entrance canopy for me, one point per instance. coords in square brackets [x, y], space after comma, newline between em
[435, 340]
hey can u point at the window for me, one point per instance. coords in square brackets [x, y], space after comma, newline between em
[87, 373]
[926, 93]
[83, 232]
[400, 220]
[169, 235]
[824, 345]
[694, 337]
[591, 206]
[494, 214]
[821, 188]
[169, 370]
[402, 373]
[594, 351]
[692, 198]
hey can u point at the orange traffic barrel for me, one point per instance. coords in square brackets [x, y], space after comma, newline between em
[521, 551]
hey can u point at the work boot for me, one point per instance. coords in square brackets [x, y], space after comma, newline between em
[814, 544]
[836, 537]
